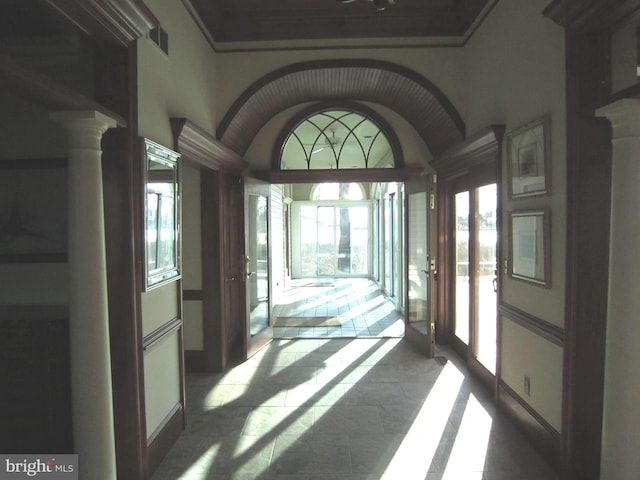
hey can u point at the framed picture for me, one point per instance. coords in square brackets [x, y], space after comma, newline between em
[528, 159]
[33, 210]
[530, 246]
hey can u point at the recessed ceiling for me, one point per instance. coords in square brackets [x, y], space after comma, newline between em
[230, 21]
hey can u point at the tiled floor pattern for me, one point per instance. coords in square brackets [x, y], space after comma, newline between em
[346, 409]
[359, 305]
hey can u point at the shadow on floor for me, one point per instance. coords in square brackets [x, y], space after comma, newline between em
[348, 409]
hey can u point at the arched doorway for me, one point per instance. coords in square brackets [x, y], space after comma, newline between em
[411, 96]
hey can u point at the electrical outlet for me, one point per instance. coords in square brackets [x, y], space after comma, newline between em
[527, 386]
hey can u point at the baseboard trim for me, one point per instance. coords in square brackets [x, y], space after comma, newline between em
[544, 437]
[163, 438]
[196, 361]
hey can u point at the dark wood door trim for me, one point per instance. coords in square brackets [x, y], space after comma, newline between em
[466, 166]
[475, 160]
[588, 31]
[108, 21]
[202, 149]
[214, 160]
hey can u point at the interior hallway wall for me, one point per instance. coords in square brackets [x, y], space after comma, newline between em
[180, 84]
[515, 72]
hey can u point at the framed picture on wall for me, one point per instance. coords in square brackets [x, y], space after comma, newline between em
[33, 210]
[530, 246]
[528, 159]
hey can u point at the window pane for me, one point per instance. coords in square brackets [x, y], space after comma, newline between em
[462, 267]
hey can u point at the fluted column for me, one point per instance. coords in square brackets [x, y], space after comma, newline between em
[91, 389]
[621, 416]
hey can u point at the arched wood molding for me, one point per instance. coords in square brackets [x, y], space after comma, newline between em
[108, 21]
[375, 117]
[200, 148]
[396, 87]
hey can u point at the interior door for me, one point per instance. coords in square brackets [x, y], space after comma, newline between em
[258, 322]
[419, 310]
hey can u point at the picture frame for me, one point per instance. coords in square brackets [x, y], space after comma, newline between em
[162, 215]
[33, 210]
[528, 155]
[530, 246]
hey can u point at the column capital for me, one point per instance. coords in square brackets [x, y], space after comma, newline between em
[85, 127]
[624, 116]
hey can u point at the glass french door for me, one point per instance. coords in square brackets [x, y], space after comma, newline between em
[419, 314]
[258, 323]
[475, 272]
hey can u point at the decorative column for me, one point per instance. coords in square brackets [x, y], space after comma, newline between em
[621, 416]
[91, 389]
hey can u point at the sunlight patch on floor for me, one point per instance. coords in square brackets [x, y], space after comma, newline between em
[469, 452]
[417, 445]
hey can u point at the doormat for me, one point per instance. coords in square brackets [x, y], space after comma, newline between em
[307, 322]
[319, 284]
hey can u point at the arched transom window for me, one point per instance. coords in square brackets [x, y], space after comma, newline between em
[336, 139]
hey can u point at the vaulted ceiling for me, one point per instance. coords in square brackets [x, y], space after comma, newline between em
[228, 21]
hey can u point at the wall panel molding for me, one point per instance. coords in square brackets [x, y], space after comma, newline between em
[192, 295]
[159, 334]
[534, 324]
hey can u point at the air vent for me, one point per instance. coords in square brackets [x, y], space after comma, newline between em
[161, 38]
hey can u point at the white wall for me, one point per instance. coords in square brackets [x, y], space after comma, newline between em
[192, 257]
[515, 71]
[181, 84]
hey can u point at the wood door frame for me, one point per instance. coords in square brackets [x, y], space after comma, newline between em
[589, 26]
[425, 342]
[219, 167]
[475, 162]
[252, 345]
[470, 183]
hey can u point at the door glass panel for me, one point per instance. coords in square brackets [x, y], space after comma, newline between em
[258, 264]
[358, 229]
[461, 293]
[389, 241]
[308, 241]
[327, 253]
[487, 276]
[334, 240]
[418, 261]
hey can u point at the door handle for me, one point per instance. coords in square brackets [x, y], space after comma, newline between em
[495, 284]
[247, 267]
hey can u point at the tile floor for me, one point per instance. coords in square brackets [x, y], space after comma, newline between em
[360, 307]
[346, 409]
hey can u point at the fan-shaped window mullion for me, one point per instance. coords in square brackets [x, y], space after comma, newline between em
[333, 130]
[373, 141]
[357, 139]
[307, 155]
